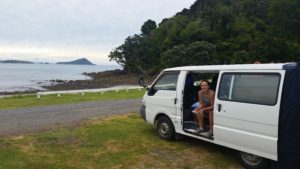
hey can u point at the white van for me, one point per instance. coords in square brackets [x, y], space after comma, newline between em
[248, 109]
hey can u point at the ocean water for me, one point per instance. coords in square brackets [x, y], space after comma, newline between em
[21, 77]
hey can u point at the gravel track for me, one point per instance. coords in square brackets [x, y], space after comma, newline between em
[26, 120]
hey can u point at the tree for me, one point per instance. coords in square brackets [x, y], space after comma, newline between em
[136, 54]
[201, 53]
[147, 27]
[270, 49]
[168, 34]
[197, 53]
[241, 57]
[174, 57]
[284, 15]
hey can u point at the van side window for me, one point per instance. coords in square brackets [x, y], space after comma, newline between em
[166, 82]
[257, 88]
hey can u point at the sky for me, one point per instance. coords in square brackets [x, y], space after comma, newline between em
[65, 30]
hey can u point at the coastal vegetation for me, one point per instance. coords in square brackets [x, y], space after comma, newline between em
[116, 142]
[215, 32]
[18, 101]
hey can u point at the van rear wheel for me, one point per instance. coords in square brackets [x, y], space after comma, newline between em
[251, 161]
[165, 128]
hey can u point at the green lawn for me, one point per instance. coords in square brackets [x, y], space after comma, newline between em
[18, 101]
[116, 142]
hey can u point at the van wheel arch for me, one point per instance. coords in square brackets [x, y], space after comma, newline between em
[251, 161]
[165, 127]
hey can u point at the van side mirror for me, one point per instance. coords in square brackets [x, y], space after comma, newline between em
[142, 82]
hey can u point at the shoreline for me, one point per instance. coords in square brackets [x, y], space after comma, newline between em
[105, 79]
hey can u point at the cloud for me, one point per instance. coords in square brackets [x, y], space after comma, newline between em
[102, 24]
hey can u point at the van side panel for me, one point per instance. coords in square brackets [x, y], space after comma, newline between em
[248, 127]
[162, 102]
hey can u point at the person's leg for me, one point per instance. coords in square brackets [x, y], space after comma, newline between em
[195, 118]
[200, 120]
[211, 122]
[195, 112]
[200, 116]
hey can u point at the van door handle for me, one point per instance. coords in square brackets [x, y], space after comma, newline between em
[175, 101]
[219, 107]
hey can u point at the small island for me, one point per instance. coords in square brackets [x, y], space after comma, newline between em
[82, 61]
[16, 61]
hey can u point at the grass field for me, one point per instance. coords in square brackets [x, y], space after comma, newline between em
[116, 142]
[18, 101]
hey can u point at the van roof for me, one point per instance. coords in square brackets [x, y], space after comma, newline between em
[269, 66]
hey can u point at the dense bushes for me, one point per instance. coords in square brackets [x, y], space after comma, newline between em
[216, 32]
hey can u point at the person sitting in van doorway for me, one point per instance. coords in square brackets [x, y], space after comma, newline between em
[206, 102]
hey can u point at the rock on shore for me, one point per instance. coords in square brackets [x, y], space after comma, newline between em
[100, 80]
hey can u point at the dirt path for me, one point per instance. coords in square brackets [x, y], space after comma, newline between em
[25, 120]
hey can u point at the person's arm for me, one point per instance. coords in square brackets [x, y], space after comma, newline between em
[212, 101]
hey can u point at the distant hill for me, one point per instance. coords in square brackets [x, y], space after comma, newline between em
[16, 61]
[82, 61]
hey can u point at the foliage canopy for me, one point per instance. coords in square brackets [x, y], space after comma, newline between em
[215, 32]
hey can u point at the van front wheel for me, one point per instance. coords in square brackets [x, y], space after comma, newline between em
[251, 161]
[165, 128]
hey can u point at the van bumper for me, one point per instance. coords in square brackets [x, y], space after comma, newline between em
[143, 112]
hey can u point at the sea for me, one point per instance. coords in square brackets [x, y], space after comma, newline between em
[26, 77]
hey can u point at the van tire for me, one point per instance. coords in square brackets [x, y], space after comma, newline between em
[250, 161]
[165, 128]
